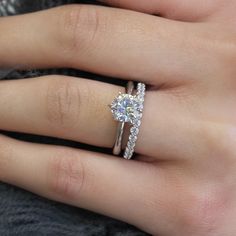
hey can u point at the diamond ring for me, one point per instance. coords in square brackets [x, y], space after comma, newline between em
[128, 108]
[120, 129]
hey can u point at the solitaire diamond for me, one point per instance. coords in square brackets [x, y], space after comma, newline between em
[126, 108]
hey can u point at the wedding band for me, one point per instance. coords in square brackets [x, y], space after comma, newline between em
[120, 129]
[128, 108]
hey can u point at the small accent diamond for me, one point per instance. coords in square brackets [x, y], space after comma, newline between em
[133, 138]
[134, 130]
[137, 123]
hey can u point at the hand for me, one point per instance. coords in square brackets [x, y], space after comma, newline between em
[182, 181]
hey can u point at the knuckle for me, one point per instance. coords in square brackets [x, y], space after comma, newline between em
[66, 175]
[226, 52]
[202, 212]
[219, 141]
[198, 210]
[230, 59]
[222, 54]
[63, 102]
[219, 50]
[79, 26]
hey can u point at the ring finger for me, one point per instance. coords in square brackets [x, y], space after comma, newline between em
[78, 109]
[59, 106]
[108, 41]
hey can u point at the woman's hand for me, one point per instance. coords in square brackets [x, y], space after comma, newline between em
[183, 179]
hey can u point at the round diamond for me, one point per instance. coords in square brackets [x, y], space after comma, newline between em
[133, 138]
[125, 108]
[126, 155]
[134, 131]
[137, 123]
[130, 145]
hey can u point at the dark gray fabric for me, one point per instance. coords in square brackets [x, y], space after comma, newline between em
[23, 213]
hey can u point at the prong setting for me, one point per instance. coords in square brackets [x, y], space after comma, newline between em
[125, 108]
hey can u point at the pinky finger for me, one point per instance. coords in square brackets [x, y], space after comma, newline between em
[97, 182]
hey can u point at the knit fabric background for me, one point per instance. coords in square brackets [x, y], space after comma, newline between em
[23, 213]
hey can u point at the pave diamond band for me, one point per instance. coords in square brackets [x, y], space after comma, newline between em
[134, 130]
[128, 108]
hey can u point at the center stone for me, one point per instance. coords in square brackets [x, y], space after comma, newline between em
[125, 108]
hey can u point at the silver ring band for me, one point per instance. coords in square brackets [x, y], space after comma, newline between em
[120, 129]
[134, 130]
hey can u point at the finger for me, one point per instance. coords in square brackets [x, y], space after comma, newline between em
[108, 41]
[77, 109]
[186, 10]
[111, 186]
[65, 107]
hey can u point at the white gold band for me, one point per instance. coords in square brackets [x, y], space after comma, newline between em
[134, 130]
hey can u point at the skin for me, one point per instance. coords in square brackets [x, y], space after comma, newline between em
[182, 181]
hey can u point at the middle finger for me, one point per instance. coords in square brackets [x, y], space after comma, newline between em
[108, 41]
